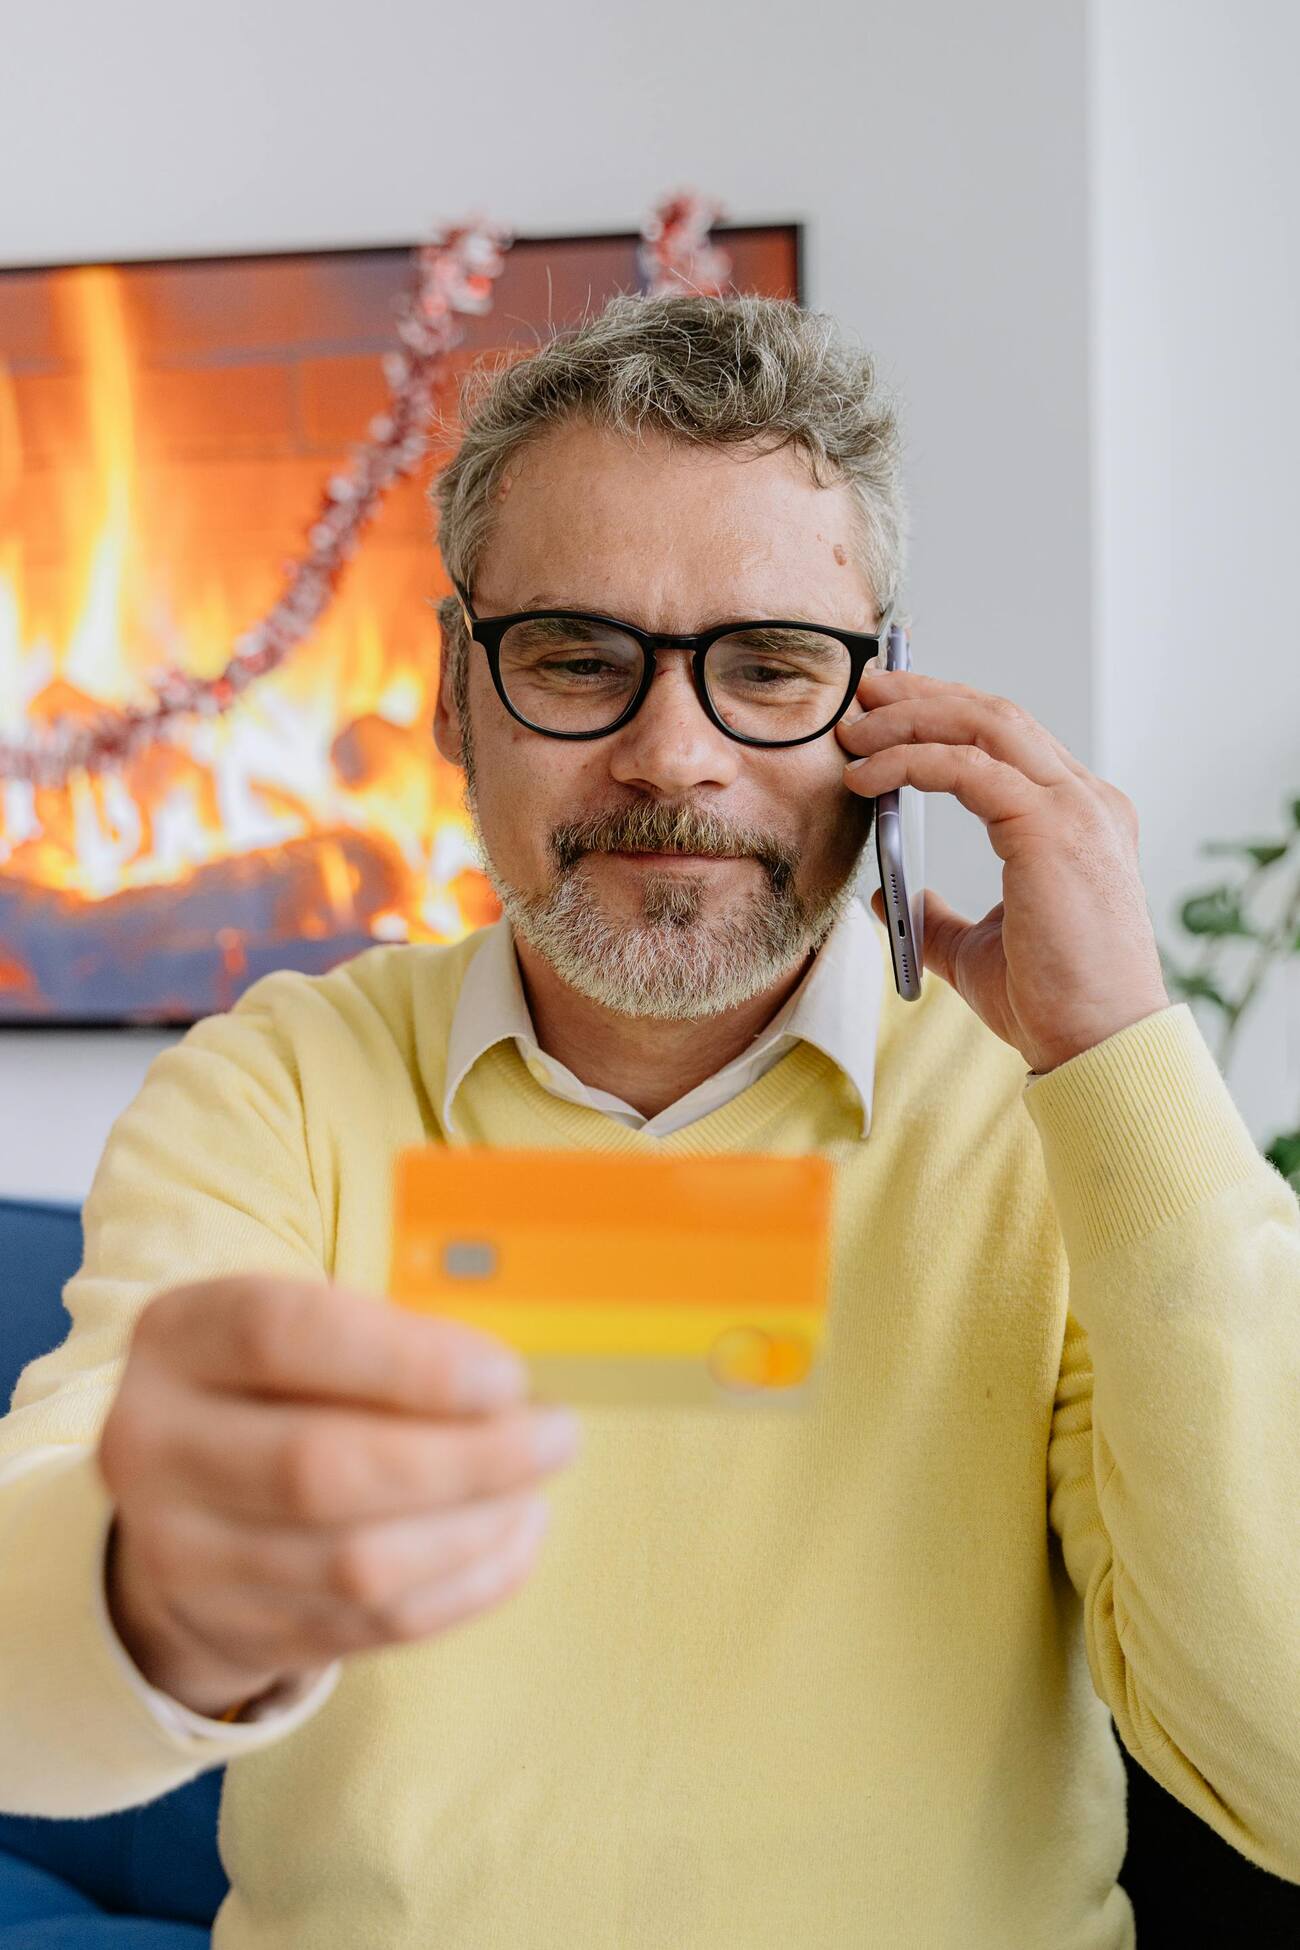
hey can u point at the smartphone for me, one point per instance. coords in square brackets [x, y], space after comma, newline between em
[900, 857]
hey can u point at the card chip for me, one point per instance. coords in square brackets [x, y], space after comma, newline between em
[469, 1259]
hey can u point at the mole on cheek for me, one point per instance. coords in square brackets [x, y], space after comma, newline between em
[839, 553]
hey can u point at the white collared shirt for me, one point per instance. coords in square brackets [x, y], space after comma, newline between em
[836, 1007]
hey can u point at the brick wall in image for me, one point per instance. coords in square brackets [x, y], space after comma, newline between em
[249, 380]
[166, 431]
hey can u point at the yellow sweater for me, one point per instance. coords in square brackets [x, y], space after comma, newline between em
[821, 1680]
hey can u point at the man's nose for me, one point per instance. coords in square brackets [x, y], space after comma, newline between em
[671, 744]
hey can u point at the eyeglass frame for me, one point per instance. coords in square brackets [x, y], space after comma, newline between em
[489, 631]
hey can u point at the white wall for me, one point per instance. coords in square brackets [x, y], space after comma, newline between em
[1195, 195]
[938, 154]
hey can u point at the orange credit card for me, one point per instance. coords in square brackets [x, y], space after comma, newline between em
[625, 1279]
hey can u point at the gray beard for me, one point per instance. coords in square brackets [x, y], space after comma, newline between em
[671, 963]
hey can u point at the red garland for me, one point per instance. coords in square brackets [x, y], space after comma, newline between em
[453, 274]
[675, 252]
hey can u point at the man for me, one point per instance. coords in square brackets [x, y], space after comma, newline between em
[823, 1680]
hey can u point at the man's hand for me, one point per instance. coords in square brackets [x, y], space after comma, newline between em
[1068, 956]
[300, 1473]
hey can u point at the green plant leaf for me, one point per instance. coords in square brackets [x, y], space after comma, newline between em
[1295, 811]
[1189, 987]
[1262, 852]
[1284, 1152]
[1216, 912]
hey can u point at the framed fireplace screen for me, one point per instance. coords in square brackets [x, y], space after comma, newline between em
[166, 430]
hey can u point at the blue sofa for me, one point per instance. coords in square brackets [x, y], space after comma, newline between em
[151, 1879]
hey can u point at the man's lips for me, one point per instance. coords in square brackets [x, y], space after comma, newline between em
[619, 853]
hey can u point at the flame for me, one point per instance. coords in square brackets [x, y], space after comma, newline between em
[337, 741]
[94, 658]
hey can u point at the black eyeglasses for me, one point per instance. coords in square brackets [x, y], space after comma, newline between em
[572, 674]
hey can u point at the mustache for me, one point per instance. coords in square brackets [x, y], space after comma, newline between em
[652, 827]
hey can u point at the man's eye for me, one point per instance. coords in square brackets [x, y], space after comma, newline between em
[764, 676]
[577, 667]
[764, 673]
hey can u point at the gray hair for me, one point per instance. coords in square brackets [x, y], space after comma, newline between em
[707, 371]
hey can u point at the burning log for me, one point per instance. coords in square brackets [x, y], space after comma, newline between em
[173, 952]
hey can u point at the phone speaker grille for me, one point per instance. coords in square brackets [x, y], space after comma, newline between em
[904, 959]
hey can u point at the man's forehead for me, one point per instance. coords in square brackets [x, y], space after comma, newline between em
[577, 477]
[635, 591]
[630, 602]
[659, 547]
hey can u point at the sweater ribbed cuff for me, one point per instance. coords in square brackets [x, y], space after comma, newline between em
[1136, 1131]
[88, 1740]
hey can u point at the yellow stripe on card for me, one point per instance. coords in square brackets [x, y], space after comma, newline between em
[618, 1329]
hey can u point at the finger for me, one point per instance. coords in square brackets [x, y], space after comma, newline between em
[276, 1629]
[1003, 732]
[269, 1463]
[465, 1593]
[367, 1565]
[880, 687]
[985, 786]
[290, 1338]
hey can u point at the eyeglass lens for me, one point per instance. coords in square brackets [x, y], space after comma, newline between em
[774, 683]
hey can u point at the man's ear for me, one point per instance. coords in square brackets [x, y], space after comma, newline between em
[446, 724]
[447, 734]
